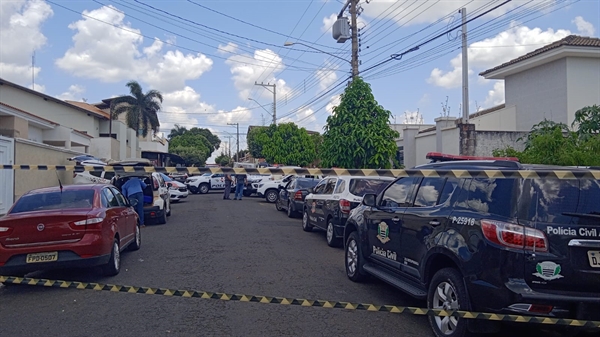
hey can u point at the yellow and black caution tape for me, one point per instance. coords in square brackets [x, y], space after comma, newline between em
[567, 173]
[297, 301]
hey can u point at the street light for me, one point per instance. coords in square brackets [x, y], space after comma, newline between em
[262, 106]
[287, 44]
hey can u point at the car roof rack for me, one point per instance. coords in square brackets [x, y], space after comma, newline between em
[440, 157]
[440, 160]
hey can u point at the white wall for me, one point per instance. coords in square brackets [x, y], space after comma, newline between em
[61, 114]
[538, 93]
[583, 78]
[499, 120]
[35, 134]
[425, 143]
[450, 141]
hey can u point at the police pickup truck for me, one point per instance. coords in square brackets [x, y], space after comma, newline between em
[206, 182]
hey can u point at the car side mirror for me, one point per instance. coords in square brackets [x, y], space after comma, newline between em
[370, 200]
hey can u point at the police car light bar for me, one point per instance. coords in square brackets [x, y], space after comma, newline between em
[438, 157]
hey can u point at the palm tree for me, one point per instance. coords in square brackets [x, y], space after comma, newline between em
[140, 108]
[178, 130]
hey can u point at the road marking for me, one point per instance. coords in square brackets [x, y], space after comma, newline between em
[296, 301]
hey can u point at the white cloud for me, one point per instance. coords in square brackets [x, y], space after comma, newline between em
[495, 96]
[327, 75]
[265, 64]
[494, 51]
[237, 115]
[333, 102]
[73, 93]
[228, 48]
[584, 27]
[20, 36]
[328, 22]
[112, 54]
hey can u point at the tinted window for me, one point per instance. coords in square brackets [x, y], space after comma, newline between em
[96, 174]
[119, 196]
[546, 200]
[330, 186]
[495, 196]
[320, 187]
[429, 192]
[166, 178]
[341, 186]
[109, 175]
[448, 191]
[110, 197]
[360, 187]
[291, 185]
[306, 183]
[397, 194]
[55, 200]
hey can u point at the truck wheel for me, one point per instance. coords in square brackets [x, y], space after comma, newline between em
[447, 291]
[203, 188]
[354, 259]
[271, 195]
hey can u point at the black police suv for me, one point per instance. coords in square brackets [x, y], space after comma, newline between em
[499, 245]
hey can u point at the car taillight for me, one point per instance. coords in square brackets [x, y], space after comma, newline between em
[345, 206]
[298, 195]
[89, 221]
[514, 236]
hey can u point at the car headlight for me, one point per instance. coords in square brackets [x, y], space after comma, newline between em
[260, 185]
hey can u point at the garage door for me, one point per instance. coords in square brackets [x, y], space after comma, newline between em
[6, 176]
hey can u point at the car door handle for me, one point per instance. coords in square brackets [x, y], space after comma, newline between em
[434, 223]
[395, 219]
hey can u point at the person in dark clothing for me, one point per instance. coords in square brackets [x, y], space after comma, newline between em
[228, 181]
[133, 189]
[240, 181]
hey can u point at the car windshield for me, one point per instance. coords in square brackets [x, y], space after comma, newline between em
[166, 177]
[54, 200]
[360, 187]
[308, 183]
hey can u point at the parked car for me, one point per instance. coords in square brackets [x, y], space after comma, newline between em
[204, 183]
[157, 204]
[330, 202]
[253, 181]
[524, 246]
[291, 196]
[93, 177]
[178, 176]
[68, 227]
[177, 190]
[269, 189]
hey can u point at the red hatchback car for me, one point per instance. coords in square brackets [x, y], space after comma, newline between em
[68, 227]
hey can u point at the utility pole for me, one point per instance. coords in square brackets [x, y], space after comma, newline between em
[274, 91]
[340, 29]
[465, 68]
[354, 28]
[237, 154]
[228, 146]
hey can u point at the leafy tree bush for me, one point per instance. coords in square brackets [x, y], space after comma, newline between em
[357, 134]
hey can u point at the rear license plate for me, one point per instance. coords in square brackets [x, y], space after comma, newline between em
[42, 257]
[594, 257]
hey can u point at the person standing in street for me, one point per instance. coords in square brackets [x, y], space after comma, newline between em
[228, 181]
[240, 181]
[133, 189]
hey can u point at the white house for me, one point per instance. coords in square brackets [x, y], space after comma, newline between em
[551, 83]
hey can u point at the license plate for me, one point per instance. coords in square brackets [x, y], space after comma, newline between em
[42, 257]
[594, 257]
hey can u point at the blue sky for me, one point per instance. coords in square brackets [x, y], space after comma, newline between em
[205, 56]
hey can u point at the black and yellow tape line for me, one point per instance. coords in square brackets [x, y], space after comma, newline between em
[297, 302]
[530, 174]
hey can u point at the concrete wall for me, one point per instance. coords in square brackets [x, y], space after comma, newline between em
[425, 142]
[53, 111]
[450, 141]
[583, 80]
[499, 120]
[105, 148]
[487, 141]
[35, 134]
[538, 93]
[28, 152]
[13, 126]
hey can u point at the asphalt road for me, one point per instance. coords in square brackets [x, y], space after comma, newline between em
[214, 245]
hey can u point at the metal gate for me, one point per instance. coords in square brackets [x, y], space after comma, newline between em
[7, 156]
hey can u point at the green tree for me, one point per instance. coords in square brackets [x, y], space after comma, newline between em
[587, 120]
[223, 160]
[177, 131]
[194, 148]
[287, 144]
[213, 140]
[254, 145]
[140, 108]
[357, 134]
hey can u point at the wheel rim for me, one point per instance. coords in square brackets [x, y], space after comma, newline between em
[138, 236]
[272, 197]
[329, 232]
[116, 256]
[352, 257]
[445, 298]
[305, 220]
[203, 189]
[289, 210]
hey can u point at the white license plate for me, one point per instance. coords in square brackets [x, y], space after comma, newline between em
[42, 257]
[594, 257]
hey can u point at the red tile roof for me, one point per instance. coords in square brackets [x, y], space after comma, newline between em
[91, 108]
[569, 41]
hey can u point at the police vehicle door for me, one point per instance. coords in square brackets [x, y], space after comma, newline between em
[423, 220]
[217, 181]
[321, 201]
[311, 201]
[384, 223]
